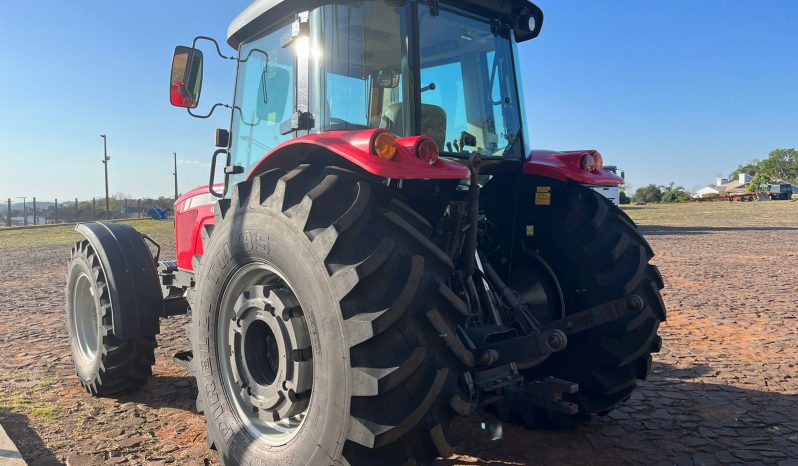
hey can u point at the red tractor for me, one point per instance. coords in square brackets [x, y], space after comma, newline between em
[385, 252]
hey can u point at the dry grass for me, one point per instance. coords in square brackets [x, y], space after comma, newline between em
[691, 214]
[66, 235]
[717, 214]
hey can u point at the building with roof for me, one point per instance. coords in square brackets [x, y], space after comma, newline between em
[724, 186]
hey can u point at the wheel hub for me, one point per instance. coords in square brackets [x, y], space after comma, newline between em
[84, 319]
[270, 353]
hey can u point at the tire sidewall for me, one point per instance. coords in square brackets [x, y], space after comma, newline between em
[269, 237]
[87, 368]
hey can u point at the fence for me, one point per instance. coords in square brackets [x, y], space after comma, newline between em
[52, 211]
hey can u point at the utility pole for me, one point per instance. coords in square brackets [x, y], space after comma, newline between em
[105, 162]
[175, 173]
[35, 222]
[24, 209]
[8, 213]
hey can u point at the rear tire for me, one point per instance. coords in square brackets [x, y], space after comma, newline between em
[105, 364]
[366, 287]
[598, 256]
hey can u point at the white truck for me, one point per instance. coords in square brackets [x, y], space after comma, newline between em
[613, 193]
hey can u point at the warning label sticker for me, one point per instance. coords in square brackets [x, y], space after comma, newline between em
[543, 195]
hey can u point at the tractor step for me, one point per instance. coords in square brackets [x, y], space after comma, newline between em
[546, 394]
[184, 358]
[168, 266]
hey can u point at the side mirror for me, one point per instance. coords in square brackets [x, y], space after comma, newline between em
[529, 22]
[185, 84]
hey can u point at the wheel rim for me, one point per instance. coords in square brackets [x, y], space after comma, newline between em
[265, 353]
[84, 319]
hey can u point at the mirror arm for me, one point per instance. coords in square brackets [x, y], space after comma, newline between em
[255, 51]
[243, 120]
[209, 113]
[218, 49]
[234, 108]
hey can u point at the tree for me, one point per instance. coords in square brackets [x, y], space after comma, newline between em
[781, 164]
[758, 180]
[673, 193]
[647, 194]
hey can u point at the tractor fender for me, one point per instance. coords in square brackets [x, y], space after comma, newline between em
[136, 297]
[352, 149]
[565, 166]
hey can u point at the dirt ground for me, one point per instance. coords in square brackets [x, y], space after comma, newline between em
[723, 390]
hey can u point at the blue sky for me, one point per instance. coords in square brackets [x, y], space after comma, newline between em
[669, 90]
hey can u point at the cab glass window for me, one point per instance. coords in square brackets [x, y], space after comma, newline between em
[265, 98]
[468, 84]
[360, 75]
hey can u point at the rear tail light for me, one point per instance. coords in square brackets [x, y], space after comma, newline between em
[428, 151]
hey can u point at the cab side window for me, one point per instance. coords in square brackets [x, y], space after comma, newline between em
[265, 98]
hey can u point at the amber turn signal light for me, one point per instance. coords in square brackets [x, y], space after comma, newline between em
[592, 162]
[384, 146]
[599, 160]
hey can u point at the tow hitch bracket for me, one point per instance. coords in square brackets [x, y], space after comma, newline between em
[553, 336]
[546, 393]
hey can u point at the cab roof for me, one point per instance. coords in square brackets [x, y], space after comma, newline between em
[254, 16]
[263, 13]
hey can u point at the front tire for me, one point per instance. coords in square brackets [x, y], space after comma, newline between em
[105, 364]
[348, 267]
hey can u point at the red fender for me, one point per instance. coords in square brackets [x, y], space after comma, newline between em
[566, 166]
[195, 209]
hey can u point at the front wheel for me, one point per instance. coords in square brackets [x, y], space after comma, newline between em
[105, 364]
[316, 333]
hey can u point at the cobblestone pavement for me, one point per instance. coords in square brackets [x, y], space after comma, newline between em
[723, 390]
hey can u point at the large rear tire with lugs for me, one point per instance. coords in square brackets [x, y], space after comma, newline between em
[319, 325]
[597, 256]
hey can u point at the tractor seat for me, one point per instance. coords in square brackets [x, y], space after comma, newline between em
[433, 121]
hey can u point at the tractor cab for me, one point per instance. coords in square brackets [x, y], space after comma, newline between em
[445, 70]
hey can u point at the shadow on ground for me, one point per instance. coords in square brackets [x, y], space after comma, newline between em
[673, 418]
[670, 419]
[178, 392]
[28, 442]
[651, 230]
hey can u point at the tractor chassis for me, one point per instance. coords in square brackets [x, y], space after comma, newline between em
[494, 350]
